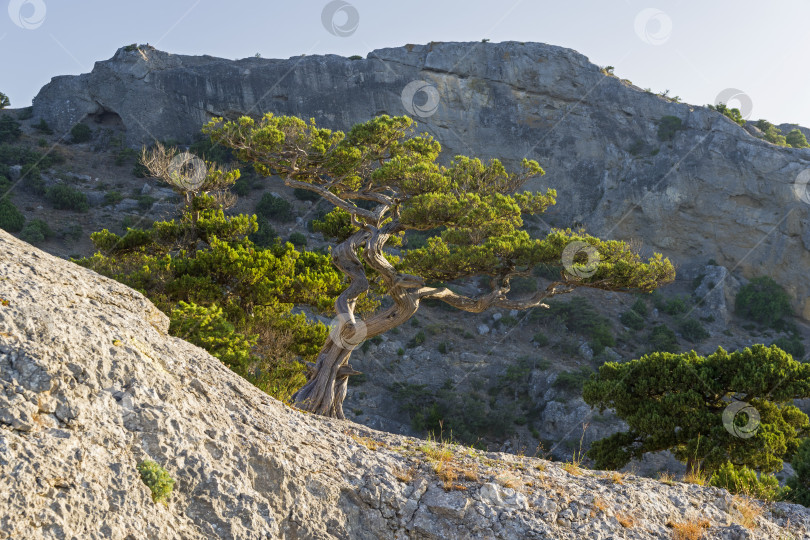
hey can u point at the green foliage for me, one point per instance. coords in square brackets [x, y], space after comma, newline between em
[4, 101]
[157, 479]
[9, 129]
[355, 57]
[11, 219]
[81, 133]
[540, 339]
[764, 301]
[668, 126]
[111, 198]
[65, 197]
[742, 480]
[799, 483]
[306, 195]
[792, 345]
[640, 307]
[671, 306]
[693, 331]
[211, 151]
[417, 339]
[265, 235]
[578, 315]
[298, 239]
[662, 338]
[572, 381]
[208, 327]
[275, 208]
[796, 139]
[36, 231]
[225, 293]
[734, 114]
[771, 133]
[632, 320]
[468, 417]
[43, 127]
[676, 401]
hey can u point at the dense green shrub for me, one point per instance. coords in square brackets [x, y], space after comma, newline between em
[298, 239]
[640, 307]
[764, 301]
[9, 129]
[572, 381]
[796, 139]
[632, 319]
[540, 339]
[771, 133]
[579, 316]
[43, 127]
[275, 208]
[693, 331]
[746, 482]
[265, 234]
[799, 484]
[65, 197]
[683, 403]
[207, 327]
[663, 339]
[157, 479]
[31, 180]
[210, 151]
[668, 126]
[11, 219]
[466, 417]
[36, 231]
[733, 114]
[305, 195]
[111, 198]
[418, 339]
[792, 345]
[81, 133]
[4, 101]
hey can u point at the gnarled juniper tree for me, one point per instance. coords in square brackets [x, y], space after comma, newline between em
[384, 181]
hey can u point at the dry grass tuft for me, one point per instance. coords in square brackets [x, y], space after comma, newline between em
[405, 476]
[599, 504]
[626, 520]
[617, 477]
[747, 511]
[666, 478]
[699, 478]
[368, 442]
[689, 530]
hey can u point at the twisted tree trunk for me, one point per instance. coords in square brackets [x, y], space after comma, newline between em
[328, 378]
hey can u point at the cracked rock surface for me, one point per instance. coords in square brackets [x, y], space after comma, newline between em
[91, 384]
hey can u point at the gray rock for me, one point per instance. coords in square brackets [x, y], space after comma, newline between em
[91, 384]
[126, 205]
[483, 329]
[503, 97]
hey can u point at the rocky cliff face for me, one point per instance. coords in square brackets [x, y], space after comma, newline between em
[713, 191]
[91, 385]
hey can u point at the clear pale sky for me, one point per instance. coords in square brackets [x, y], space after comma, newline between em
[695, 49]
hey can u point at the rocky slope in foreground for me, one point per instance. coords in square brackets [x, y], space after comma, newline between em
[709, 190]
[91, 385]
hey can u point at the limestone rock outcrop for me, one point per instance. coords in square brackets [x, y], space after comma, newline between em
[91, 384]
[709, 190]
